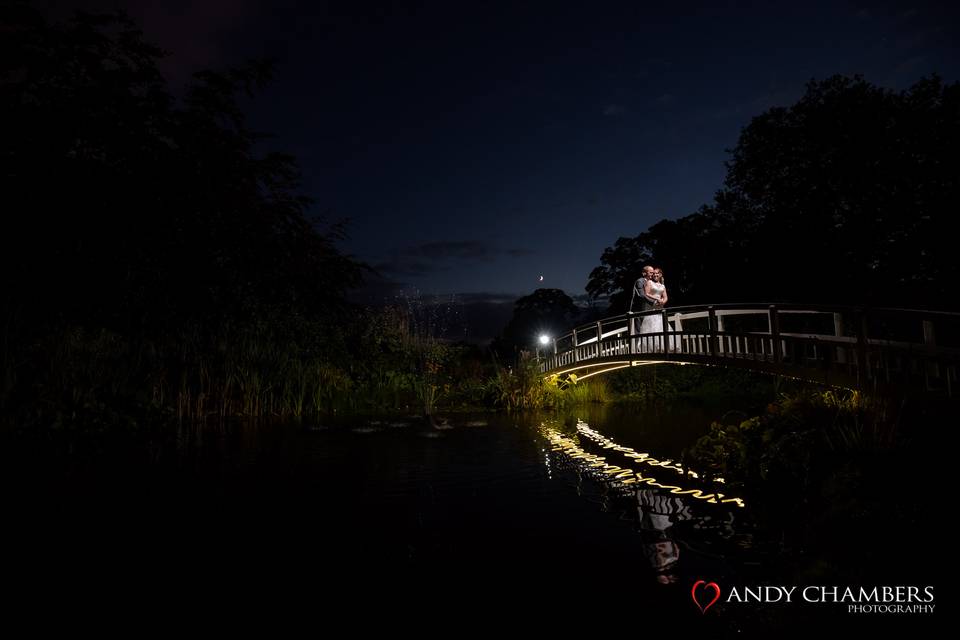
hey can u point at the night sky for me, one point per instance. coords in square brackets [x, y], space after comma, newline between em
[475, 146]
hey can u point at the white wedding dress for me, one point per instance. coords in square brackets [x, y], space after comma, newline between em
[653, 323]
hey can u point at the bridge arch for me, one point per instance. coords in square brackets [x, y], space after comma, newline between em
[848, 347]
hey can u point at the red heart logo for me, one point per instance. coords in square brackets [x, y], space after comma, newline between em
[707, 585]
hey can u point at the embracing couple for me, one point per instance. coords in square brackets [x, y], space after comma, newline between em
[652, 294]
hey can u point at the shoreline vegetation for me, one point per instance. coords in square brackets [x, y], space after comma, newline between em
[291, 370]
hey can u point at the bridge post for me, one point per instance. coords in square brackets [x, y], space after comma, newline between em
[862, 364]
[666, 331]
[838, 332]
[720, 340]
[712, 318]
[599, 338]
[929, 337]
[930, 341]
[576, 356]
[775, 334]
[633, 332]
[678, 327]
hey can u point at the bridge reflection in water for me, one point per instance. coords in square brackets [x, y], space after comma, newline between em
[867, 349]
[668, 508]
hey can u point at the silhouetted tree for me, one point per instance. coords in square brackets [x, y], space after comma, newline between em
[126, 210]
[545, 311]
[620, 266]
[848, 196]
[150, 258]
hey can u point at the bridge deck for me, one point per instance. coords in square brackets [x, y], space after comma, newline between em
[838, 346]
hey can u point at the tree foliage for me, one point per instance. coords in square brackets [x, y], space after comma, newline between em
[846, 197]
[545, 311]
[127, 209]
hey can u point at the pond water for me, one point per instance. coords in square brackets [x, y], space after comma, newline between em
[595, 503]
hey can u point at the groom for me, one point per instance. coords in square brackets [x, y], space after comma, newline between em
[646, 304]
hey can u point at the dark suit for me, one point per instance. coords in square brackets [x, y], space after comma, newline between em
[644, 301]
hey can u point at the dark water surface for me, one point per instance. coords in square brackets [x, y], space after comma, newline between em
[492, 505]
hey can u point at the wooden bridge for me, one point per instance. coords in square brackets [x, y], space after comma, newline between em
[856, 348]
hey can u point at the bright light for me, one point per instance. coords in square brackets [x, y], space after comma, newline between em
[544, 339]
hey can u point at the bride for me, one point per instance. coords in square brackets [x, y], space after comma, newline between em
[656, 292]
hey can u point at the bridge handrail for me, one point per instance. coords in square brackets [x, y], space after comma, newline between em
[688, 311]
[855, 351]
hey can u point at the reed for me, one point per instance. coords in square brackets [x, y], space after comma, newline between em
[526, 388]
[397, 360]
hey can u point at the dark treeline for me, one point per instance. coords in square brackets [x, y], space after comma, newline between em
[128, 211]
[131, 212]
[548, 312]
[846, 197]
[156, 266]
[152, 260]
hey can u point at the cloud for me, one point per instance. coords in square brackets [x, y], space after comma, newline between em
[485, 315]
[484, 297]
[377, 290]
[475, 317]
[665, 99]
[480, 316]
[432, 257]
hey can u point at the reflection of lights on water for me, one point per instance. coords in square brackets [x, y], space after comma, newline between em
[645, 458]
[627, 476]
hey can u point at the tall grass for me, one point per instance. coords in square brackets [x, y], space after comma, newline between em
[526, 388]
[93, 377]
[87, 377]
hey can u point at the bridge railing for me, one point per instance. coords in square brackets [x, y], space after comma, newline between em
[861, 344]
